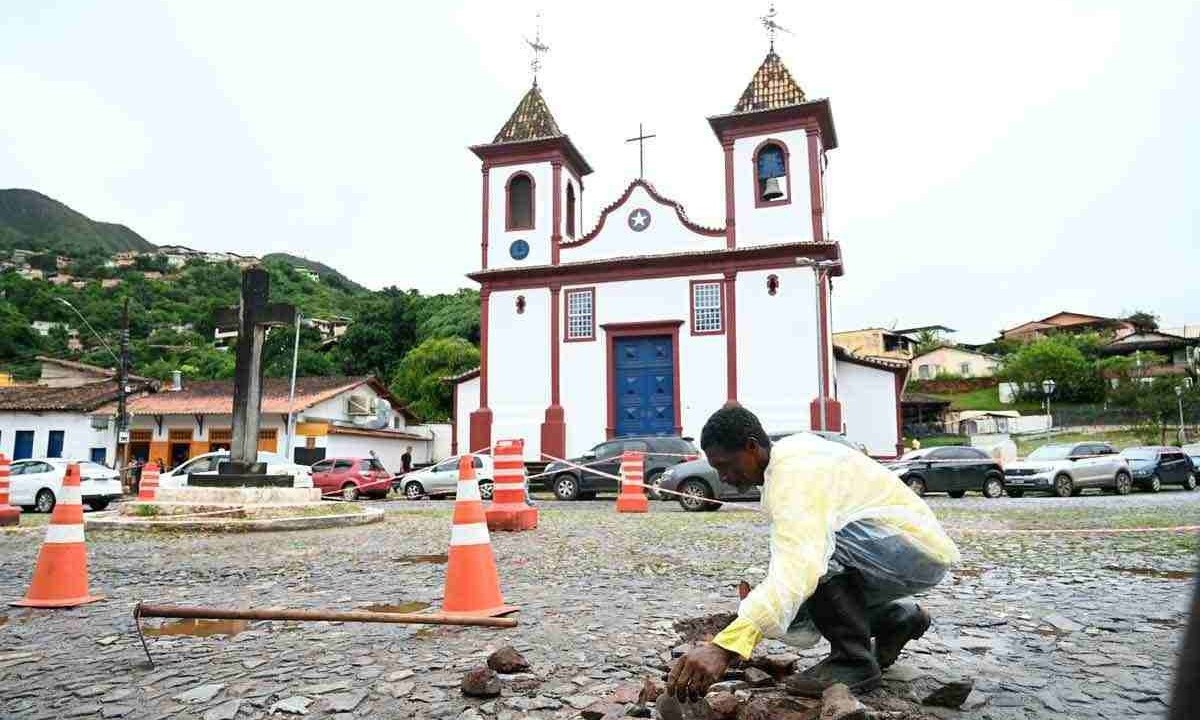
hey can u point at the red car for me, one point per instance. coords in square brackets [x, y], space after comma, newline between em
[353, 477]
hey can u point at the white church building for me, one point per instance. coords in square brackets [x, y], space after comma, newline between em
[648, 322]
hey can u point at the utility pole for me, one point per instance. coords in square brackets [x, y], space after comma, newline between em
[123, 389]
[291, 426]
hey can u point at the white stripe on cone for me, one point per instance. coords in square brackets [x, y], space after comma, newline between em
[62, 534]
[468, 490]
[71, 496]
[508, 486]
[466, 534]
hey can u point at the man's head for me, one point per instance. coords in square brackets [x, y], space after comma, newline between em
[736, 446]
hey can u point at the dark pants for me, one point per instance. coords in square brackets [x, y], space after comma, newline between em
[890, 565]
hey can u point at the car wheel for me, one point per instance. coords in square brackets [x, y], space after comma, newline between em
[652, 483]
[413, 490]
[917, 485]
[45, 501]
[1124, 483]
[1064, 486]
[993, 486]
[1155, 483]
[1014, 492]
[1190, 483]
[566, 487]
[97, 505]
[696, 493]
[957, 494]
[485, 489]
[349, 492]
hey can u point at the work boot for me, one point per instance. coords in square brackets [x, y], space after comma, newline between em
[893, 626]
[839, 610]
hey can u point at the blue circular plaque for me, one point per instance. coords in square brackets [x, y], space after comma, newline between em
[519, 250]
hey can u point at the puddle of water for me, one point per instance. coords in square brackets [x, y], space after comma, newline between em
[412, 559]
[405, 607]
[1151, 572]
[198, 628]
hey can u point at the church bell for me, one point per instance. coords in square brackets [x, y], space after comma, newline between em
[772, 189]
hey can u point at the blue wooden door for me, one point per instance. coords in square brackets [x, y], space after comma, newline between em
[23, 445]
[54, 446]
[644, 385]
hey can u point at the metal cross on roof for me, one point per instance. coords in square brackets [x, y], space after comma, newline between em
[538, 48]
[768, 22]
[641, 139]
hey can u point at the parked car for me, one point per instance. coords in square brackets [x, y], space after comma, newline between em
[954, 470]
[36, 483]
[1068, 469]
[571, 483]
[441, 480]
[1155, 466]
[206, 464]
[353, 476]
[699, 480]
[1193, 452]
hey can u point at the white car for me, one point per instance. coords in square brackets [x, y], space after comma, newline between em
[36, 483]
[206, 464]
[442, 479]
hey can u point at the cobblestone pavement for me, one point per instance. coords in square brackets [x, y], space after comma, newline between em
[1047, 624]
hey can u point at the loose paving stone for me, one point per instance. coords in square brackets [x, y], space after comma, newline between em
[200, 694]
[951, 695]
[295, 705]
[507, 660]
[481, 682]
[115, 711]
[227, 710]
[344, 702]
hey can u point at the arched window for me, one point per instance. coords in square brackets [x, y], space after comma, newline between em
[772, 178]
[570, 210]
[519, 209]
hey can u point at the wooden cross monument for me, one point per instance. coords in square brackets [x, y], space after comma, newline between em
[252, 317]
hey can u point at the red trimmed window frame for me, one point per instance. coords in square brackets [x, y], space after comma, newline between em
[720, 283]
[566, 303]
[508, 218]
[787, 174]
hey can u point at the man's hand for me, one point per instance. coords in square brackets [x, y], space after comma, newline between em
[695, 671]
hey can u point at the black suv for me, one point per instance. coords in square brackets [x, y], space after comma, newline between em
[952, 470]
[571, 483]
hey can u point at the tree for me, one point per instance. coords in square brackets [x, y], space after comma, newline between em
[383, 332]
[418, 378]
[17, 339]
[928, 340]
[1144, 321]
[1056, 358]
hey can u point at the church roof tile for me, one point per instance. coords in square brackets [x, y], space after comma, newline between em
[530, 121]
[771, 87]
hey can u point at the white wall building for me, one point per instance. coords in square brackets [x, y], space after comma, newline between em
[649, 322]
[954, 361]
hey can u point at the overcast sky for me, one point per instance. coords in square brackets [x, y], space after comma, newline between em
[998, 162]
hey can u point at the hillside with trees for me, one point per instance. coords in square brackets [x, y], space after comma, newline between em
[172, 311]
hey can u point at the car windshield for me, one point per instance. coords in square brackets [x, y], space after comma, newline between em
[1140, 454]
[1051, 452]
[372, 464]
[914, 455]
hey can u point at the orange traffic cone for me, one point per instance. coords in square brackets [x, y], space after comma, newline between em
[148, 487]
[9, 515]
[61, 576]
[633, 493]
[508, 510]
[472, 583]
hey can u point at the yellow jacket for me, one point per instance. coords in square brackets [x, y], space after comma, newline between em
[814, 488]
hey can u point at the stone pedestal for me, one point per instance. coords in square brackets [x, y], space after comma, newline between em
[511, 516]
[9, 515]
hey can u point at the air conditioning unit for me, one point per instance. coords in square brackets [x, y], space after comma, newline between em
[357, 405]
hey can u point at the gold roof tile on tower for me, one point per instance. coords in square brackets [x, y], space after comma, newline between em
[530, 121]
[771, 87]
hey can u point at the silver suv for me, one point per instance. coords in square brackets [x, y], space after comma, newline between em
[1068, 469]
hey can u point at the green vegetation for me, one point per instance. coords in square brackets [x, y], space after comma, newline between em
[172, 317]
[32, 221]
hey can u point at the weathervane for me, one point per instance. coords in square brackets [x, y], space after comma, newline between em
[768, 21]
[538, 47]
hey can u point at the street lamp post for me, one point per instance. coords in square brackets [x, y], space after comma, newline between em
[1048, 386]
[1179, 390]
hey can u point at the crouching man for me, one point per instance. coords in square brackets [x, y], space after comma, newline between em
[849, 545]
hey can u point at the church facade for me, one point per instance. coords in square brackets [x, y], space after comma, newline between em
[648, 322]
